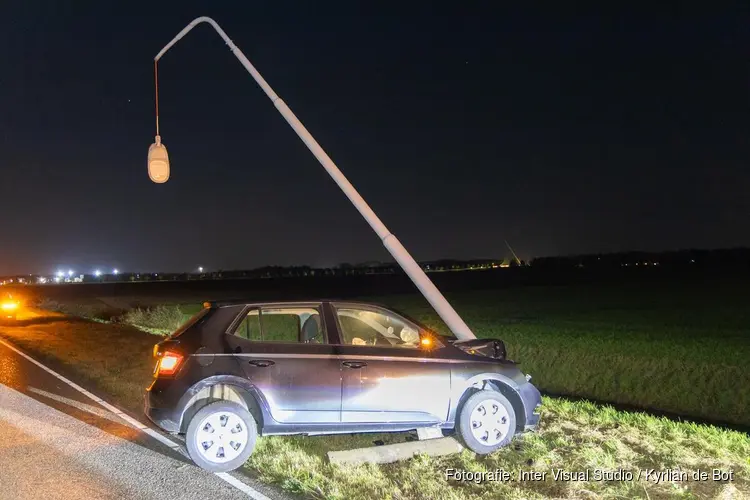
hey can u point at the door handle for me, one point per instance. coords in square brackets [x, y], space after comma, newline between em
[354, 364]
[261, 362]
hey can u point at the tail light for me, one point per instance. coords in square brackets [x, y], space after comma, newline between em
[168, 363]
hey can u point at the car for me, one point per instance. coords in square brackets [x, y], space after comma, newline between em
[238, 370]
[9, 306]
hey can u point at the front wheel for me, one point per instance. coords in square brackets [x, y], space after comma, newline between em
[486, 422]
[221, 436]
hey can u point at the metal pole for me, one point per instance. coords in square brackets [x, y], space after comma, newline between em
[394, 247]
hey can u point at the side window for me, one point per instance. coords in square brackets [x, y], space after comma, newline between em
[282, 324]
[378, 328]
[249, 328]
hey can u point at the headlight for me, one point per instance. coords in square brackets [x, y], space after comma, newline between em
[9, 306]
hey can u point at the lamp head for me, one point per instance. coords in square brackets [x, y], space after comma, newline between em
[158, 162]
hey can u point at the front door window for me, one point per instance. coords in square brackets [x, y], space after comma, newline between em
[375, 328]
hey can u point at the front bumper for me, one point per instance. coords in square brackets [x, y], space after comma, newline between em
[532, 402]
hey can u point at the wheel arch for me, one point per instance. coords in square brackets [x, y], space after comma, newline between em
[492, 382]
[223, 388]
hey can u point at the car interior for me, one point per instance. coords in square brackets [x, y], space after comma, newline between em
[362, 327]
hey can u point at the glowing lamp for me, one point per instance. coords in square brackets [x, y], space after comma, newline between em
[158, 162]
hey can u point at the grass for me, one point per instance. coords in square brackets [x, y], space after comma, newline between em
[114, 358]
[575, 436]
[161, 320]
[644, 347]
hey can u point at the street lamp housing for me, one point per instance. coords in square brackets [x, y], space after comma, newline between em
[158, 162]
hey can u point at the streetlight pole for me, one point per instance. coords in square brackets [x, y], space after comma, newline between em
[158, 153]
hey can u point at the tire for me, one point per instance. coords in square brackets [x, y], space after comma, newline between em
[486, 422]
[221, 419]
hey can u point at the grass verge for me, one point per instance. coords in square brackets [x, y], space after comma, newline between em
[574, 436]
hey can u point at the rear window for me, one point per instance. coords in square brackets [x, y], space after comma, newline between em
[190, 322]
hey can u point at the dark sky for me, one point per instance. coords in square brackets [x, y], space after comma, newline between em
[462, 126]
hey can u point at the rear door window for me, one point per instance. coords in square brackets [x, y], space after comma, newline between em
[282, 324]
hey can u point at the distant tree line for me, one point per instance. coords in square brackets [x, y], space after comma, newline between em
[734, 258]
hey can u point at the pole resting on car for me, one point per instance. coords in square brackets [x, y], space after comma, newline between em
[391, 243]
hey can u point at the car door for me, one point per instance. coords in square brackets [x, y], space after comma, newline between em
[287, 352]
[385, 375]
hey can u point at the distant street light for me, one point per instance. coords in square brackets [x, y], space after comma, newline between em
[158, 171]
[70, 272]
[115, 272]
[200, 269]
[97, 273]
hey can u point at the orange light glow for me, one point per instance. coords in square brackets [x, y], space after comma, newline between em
[169, 363]
[9, 306]
[426, 341]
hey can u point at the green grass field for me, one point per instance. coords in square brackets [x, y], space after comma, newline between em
[681, 349]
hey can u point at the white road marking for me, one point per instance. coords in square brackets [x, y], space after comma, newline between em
[251, 492]
[94, 410]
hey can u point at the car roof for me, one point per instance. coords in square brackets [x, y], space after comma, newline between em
[280, 303]
[257, 303]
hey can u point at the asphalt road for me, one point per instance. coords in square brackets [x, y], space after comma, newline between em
[55, 443]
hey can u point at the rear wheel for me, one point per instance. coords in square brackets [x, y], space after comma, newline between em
[221, 436]
[486, 422]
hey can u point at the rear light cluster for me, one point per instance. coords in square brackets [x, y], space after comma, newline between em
[167, 362]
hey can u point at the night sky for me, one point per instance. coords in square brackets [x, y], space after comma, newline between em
[461, 126]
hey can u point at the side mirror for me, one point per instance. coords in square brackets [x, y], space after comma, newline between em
[428, 342]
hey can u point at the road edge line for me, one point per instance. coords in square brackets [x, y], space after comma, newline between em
[226, 477]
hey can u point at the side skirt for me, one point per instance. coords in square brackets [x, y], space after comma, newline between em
[323, 429]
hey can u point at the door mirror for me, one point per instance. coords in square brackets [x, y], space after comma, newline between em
[428, 342]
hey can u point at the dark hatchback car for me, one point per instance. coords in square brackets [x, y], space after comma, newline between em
[239, 369]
